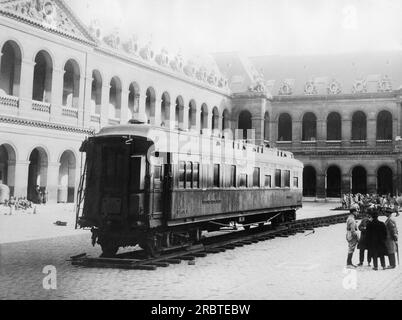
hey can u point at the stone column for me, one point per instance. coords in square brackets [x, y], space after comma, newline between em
[52, 181]
[346, 186]
[57, 94]
[297, 133]
[26, 87]
[184, 125]
[371, 183]
[258, 127]
[141, 109]
[158, 112]
[11, 176]
[321, 186]
[21, 178]
[87, 101]
[321, 132]
[124, 116]
[273, 132]
[371, 132]
[104, 112]
[346, 132]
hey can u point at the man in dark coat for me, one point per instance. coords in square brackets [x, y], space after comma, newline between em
[391, 241]
[376, 236]
[363, 243]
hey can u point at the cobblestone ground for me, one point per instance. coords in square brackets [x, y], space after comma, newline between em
[305, 266]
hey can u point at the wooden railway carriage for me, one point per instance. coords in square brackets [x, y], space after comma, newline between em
[160, 189]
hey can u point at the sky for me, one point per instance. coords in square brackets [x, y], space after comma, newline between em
[253, 27]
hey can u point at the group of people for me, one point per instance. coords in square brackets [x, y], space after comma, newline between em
[363, 202]
[17, 204]
[379, 239]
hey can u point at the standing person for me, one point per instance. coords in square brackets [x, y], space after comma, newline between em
[376, 236]
[363, 243]
[351, 236]
[391, 241]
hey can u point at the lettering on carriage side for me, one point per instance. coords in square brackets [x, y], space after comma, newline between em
[175, 311]
[211, 200]
[50, 281]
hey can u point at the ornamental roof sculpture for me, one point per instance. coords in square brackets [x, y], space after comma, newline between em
[286, 88]
[310, 88]
[334, 87]
[360, 86]
[385, 84]
[162, 58]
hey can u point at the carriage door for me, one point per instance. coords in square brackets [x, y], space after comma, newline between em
[157, 188]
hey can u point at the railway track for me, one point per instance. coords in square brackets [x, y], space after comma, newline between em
[137, 260]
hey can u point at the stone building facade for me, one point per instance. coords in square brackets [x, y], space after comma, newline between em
[61, 81]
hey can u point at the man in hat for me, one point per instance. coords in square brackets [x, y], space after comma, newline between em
[376, 235]
[351, 236]
[363, 244]
[391, 241]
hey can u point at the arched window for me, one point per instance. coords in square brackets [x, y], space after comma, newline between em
[309, 127]
[385, 184]
[179, 113]
[359, 180]
[71, 84]
[334, 178]
[115, 98]
[285, 127]
[37, 173]
[192, 115]
[165, 109]
[10, 69]
[215, 119]
[204, 117]
[359, 126]
[150, 105]
[384, 125]
[133, 99]
[334, 127]
[42, 80]
[309, 182]
[225, 120]
[96, 93]
[245, 124]
[266, 126]
[66, 189]
[7, 166]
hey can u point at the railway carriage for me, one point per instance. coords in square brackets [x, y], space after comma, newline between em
[160, 188]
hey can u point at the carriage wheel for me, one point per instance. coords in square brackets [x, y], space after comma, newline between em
[109, 250]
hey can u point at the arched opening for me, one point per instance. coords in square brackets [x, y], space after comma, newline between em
[309, 127]
[359, 180]
[334, 127]
[266, 126]
[384, 126]
[285, 127]
[37, 176]
[133, 99]
[359, 126]
[179, 113]
[215, 119]
[245, 124]
[71, 84]
[309, 182]
[334, 179]
[165, 110]
[385, 184]
[10, 69]
[7, 166]
[96, 93]
[115, 98]
[66, 189]
[204, 117]
[150, 105]
[42, 80]
[192, 115]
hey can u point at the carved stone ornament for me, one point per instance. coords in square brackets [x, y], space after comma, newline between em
[385, 84]
[286, 89]
[113, 39]
[95, 29]
[334, 87]
[223, 82]
[259, 87]
[310, 88]
[45, 12]
[147, 53]
[131, 45]
[190, 69]
[212, 78]
[360, 86]
[202, 74]
[177, 63]
[163, 58]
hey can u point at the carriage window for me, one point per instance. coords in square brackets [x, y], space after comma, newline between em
[268, 183]
[243, 180]
[136, 179]
[157, 177]
[286, 179]
[296, 182]
[196, 175]
[189, 175]
[182, 174]
[256, 177]
[278, 179]
[232, 181]
[216, 175]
